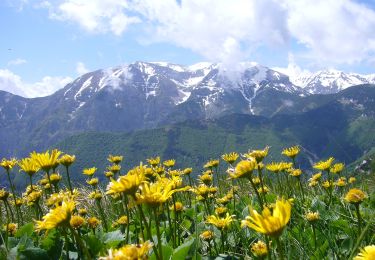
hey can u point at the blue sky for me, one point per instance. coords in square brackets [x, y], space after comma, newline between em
[45, 44]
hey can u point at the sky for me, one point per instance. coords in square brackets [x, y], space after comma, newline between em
[46, 44]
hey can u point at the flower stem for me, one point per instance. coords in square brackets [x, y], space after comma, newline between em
[69, 183]
[256, 192]
[101, 212]
[80, 243]
[14, 195]
[301, 187]
[279, 248]
[314, 232]
[359, 218]
[158, 233]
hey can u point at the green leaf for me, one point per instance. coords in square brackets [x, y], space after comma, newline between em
[52, 244]
[34, 253]
[12, 242]
[186, 224]
[3, 252]
[49, 239]
[94, 244]
[112, 239]
[182, 251]
[167, 253]
[25, 230]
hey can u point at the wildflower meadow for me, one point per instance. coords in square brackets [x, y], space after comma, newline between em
[238, 206]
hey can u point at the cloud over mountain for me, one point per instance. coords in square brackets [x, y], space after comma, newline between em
[338, 32]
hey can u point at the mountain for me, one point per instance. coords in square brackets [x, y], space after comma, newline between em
[145, 95]
[341, 128]
[330, 81]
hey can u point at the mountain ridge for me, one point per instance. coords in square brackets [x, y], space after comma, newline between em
[147, 95]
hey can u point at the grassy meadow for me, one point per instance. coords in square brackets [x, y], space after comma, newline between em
[234, 207]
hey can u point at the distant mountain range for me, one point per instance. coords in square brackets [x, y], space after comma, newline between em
[145, 95]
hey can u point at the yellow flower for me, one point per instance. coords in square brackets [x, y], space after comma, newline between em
[327, 184]
[160, 170]
[46, 160]
[337, 168]
[29, 166]
[55, 199]
[93, 181]
[67, 160]
[256, 180]
[89, 171]
[221, 211]
[116, 159]
[355, 196]
[263, 189]
[76, 221]
[114, 168]
[352, 180]
[220, 223]
[43, 181]
[291, 152]
[19, 202]
[259, 155]
[4, 194]
[169, 163]
[123, 220]
[57, 217]
[313, 183]
[82, 212]
[178, 206]
[211, 164]
[223, 200]
[207, 235]
[55, 178]
[154, 161]
[202, 190]
[366, 253]
[295, 172]
[127, 184]
[33, 197]
[243, 169]
[8, 164]
[11, 228]
[267, 223]
[206, 178]
[93, 222]
[312, 216]
[279, 167]
[230, 157]
[187, 171]
[96, 195]
[157, 193]
[129, 252]
[324, 165]
[316, 177]
[259, 249]
[108, 174]
[341, 182]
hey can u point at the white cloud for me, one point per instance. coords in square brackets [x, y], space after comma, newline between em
[334, 31]
[95, 15]
[327, 31]
[13, 83]
[81, 68]
[16, 62]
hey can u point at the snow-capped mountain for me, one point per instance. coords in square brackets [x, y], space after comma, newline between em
[160, 87]
[145, 95]
[329, 81]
